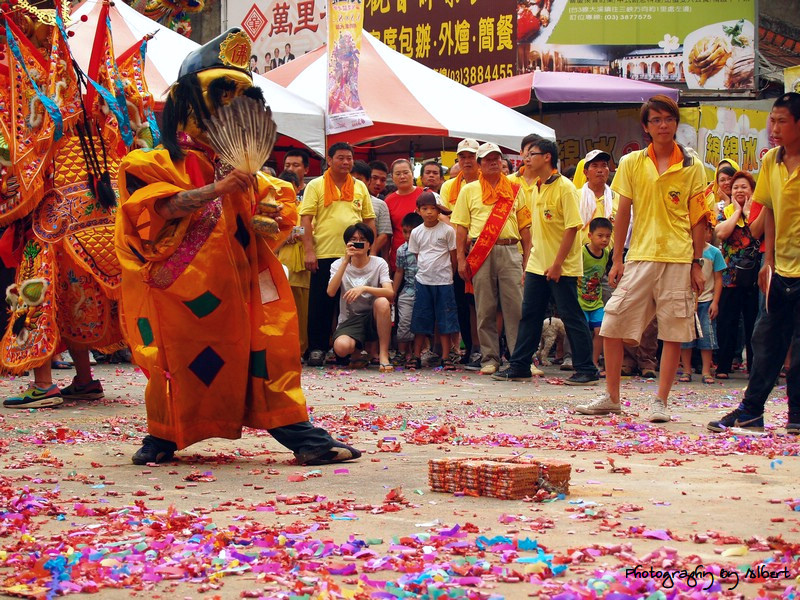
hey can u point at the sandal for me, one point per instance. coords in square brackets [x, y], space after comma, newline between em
[386, 368]
[685, 378]
[414, 363]
[708, 379]
[447, 365]
[722, 376]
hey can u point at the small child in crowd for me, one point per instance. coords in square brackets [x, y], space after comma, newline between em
[405, 275]
[435, 303]
[365, 304]
[590, 286]
[707, 310]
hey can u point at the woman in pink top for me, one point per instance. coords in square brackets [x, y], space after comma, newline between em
[401, 202]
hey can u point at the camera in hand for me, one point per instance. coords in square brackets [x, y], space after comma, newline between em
[358, 245]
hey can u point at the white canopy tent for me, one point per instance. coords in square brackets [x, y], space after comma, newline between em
[296, 118]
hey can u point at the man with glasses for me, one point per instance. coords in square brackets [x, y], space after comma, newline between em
[664, 184]
[552, 270]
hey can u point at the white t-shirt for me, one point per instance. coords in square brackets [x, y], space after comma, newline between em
[433, 245]
[374, 274]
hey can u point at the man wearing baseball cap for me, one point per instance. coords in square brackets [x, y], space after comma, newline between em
[467, 172]
[493, 215]
[597, 198]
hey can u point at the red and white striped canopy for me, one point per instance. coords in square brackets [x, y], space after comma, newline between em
[404, 97]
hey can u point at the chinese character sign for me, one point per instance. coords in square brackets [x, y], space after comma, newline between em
[698, 44]
[714, 132]
[280, 30]
[470, 41]
[732, 133]
[345, 22]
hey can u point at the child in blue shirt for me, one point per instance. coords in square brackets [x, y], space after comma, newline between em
[707, 310]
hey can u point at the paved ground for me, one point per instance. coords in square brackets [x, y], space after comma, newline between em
[236, 519]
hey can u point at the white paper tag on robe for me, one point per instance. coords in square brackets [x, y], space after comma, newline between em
[269, 291]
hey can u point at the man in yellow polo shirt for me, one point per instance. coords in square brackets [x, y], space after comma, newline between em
[463, 172]
[525, 177]
[664, 184]
[331, 204]
[492, 214]
[778, 189]
[552, 270]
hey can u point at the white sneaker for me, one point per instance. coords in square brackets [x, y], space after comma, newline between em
[566, 364]
[536, 371]
[658, 412]
[601, 406]
[489, 369]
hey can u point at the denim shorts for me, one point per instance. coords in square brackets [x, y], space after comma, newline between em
[594, 317]
[707, 326]
[434, 306]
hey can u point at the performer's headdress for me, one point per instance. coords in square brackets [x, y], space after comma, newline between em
[207, 79]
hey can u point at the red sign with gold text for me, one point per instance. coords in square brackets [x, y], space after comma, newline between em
[470, 41]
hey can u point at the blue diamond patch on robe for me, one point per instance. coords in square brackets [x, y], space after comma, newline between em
[206, 366]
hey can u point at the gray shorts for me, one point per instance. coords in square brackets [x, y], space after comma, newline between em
[405, 308]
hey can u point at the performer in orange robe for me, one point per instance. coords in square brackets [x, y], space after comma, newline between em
[207, 308]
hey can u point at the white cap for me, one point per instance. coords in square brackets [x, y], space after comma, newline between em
[487, 148]
[467, 145]
[596, 155]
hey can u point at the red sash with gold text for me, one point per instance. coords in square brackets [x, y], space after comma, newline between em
[489, 235]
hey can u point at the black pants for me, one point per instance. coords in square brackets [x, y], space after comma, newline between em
[775, 331]
[733, 302]
[303, 438]
[463, 302]
[321, 307]
[534, 306]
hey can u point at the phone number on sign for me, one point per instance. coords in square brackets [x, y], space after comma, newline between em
[478, 74]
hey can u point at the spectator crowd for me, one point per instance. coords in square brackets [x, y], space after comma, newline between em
[499, 271]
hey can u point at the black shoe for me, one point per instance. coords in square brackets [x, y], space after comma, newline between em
[316, 358]
[737, 418]
[337, 453]
[474, 365]
[793, 428]
[154, 450]
[582, 379]
[511, 373]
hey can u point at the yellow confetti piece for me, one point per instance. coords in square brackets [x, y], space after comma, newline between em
[735, 551]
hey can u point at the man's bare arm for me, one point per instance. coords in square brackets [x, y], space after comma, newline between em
[186, 202]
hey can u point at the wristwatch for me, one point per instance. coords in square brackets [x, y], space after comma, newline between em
[698, 261]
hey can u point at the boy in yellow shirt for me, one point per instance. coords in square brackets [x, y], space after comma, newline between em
[664, 185]
[778, 189]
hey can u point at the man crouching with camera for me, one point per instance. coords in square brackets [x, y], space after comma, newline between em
[366, 298]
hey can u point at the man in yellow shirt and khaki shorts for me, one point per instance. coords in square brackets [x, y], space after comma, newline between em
[664, 186]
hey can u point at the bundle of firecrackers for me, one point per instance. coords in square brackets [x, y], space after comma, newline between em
[503, 477]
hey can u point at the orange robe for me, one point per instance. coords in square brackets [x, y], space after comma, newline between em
[207, 309]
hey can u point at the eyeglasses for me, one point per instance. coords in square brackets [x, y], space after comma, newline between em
[537, 153]
[658, 121]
